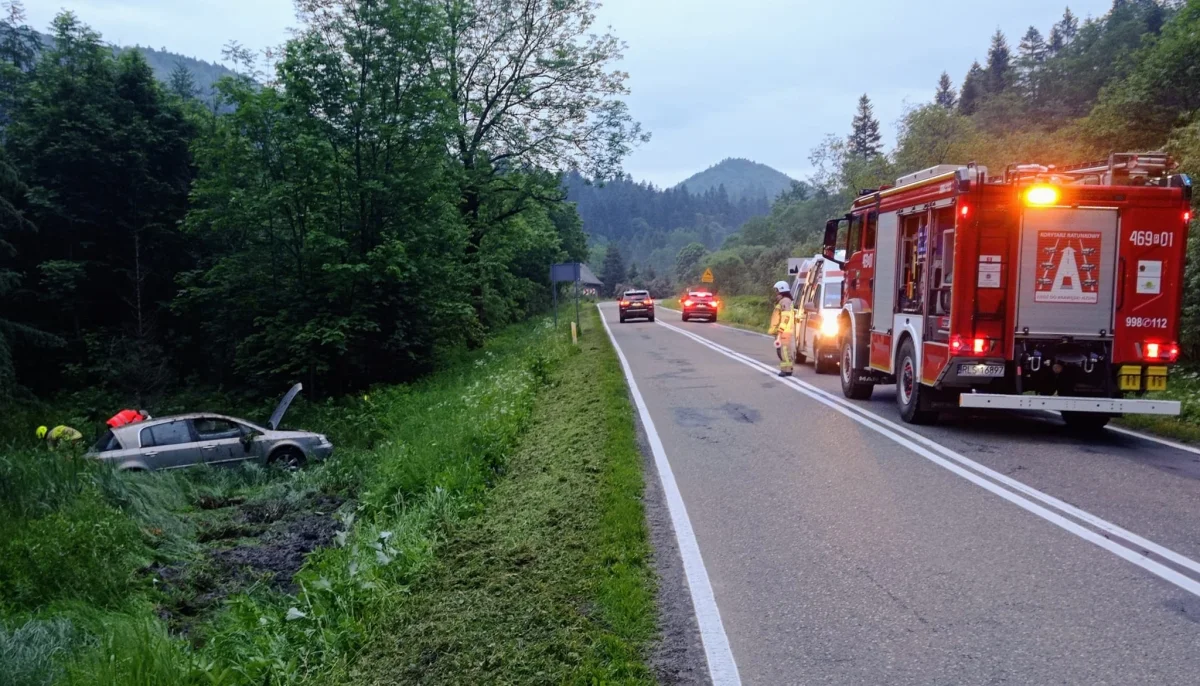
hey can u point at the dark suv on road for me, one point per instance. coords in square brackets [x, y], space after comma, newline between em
[699, 305]
[637, 304]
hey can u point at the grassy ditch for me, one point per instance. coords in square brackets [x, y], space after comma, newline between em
[743, 311]
[249, 575]
[552, 582]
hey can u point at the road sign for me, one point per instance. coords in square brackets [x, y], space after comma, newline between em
[708, 276]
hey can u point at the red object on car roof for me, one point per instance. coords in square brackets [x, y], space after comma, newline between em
[125, 417]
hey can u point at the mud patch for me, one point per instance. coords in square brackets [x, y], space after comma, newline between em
[261, 543]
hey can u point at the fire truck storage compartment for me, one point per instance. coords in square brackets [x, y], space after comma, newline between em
[1068, 268]
[886, 258]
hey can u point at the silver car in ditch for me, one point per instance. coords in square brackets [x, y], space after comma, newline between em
[206, 438]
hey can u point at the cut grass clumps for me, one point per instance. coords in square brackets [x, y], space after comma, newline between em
[550, 581]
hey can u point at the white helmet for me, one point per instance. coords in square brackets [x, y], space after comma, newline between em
[783, 287]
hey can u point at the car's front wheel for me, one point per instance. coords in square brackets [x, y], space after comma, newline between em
[287, 458]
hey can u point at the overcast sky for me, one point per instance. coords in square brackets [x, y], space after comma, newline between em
[761, 79]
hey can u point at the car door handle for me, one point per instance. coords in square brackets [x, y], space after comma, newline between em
[208, 447]
[153, 453]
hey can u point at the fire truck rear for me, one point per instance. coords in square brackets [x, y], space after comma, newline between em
[1042, 288]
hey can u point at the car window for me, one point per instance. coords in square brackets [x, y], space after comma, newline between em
[167, 433]
[833, 295]
[107, 443]
[212, 428]
[636, 295]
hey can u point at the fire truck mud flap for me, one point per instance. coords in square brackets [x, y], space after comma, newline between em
[1057, 403]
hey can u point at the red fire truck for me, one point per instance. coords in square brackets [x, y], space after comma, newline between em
[1042, 288]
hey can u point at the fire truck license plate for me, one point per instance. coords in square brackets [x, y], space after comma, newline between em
[986, 370]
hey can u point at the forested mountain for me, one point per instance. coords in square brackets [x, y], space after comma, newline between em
[164, 63]
[340, 227]
[650, 225]
[741, 179]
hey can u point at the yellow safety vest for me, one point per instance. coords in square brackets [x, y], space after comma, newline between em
[784, 319]
[63, 434]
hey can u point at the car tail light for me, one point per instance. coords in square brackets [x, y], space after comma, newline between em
[981, 346]
[649, 301]
[716, 303]
[956, 345]
[688, 303]
[1160, 352]
[624, 303]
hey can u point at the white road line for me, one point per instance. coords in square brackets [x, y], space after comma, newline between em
[917, 444]
[721, 667]
[1156, 439]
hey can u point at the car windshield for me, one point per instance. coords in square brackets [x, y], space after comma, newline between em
[833, 295]
[637, 296]
[700, 295]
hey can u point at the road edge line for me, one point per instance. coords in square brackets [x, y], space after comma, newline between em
[964, 470]
[722, 668]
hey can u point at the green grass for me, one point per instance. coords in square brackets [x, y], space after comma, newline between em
[751, 312]
[551, 582]
[114, 578]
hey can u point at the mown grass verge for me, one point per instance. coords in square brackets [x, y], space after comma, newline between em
[552, 581]
[751, 312]
[254, 576]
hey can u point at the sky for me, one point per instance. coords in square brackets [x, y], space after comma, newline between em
[762, 79]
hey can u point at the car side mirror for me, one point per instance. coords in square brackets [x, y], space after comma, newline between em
[248, 439]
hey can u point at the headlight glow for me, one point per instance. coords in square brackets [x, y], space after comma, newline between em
[829, 326]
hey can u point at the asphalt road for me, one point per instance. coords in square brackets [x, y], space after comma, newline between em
[844, 549]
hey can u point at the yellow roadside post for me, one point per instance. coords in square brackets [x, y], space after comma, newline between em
[574, 334]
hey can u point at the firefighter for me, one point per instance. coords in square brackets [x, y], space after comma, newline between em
[782, 319]
[59, 435]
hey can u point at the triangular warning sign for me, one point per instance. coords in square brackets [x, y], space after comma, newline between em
[708, 276]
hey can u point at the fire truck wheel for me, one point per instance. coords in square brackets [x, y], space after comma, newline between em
[911, 396]
[1085, 422]
[851, 388]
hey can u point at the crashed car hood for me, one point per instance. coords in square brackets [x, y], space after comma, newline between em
[284, 404]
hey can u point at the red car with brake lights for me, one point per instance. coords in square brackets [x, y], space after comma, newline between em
[700, 305]
[636, 305]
